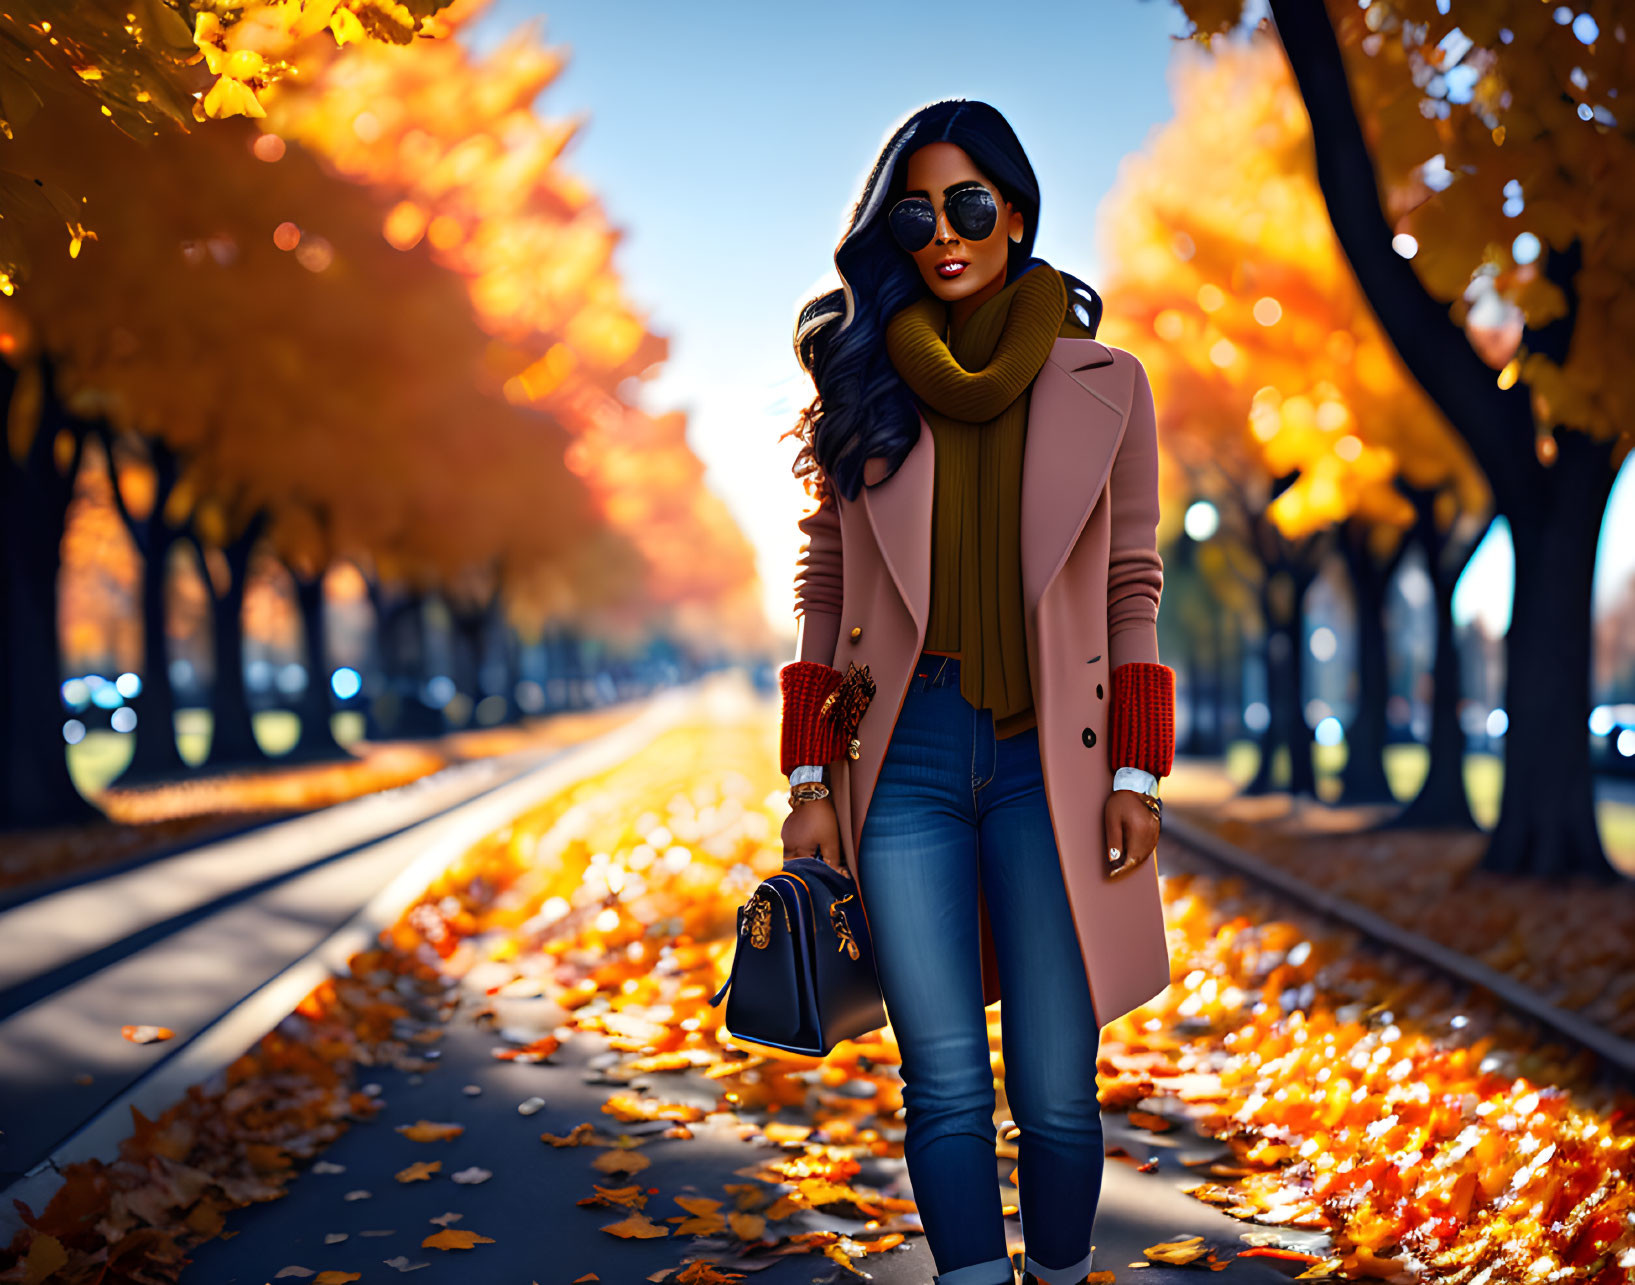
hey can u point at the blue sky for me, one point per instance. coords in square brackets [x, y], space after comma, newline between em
[728, 140]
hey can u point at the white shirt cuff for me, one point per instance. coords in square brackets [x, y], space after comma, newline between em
[803, 774]
[1133, 778]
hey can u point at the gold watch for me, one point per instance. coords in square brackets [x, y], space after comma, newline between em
[807, 792]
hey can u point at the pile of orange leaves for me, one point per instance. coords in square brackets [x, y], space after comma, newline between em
[1431, 1137]
[1569, 940]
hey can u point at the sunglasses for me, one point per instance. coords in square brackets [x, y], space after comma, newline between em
[971, 213]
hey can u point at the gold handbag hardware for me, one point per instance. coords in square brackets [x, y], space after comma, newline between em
[758, 922]
[843, 930]
[845, 706]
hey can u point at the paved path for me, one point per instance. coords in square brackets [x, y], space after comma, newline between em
[221, 971]
[225, 975]
[541, 1235]
[70, 932]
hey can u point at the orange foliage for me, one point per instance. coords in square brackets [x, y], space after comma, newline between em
[1545, 110]
[472, 177]
[1422, 1128]
[334, 411]
[384, 396]
[147, 65]
[1228, 280]
[1567, 941]
[1307, 1054]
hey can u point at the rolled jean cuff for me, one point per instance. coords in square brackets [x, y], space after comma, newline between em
[997, 1271]
[1073, 1275]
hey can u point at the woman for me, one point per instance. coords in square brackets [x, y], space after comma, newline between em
[985, 545]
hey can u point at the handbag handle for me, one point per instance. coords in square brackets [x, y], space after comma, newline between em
[718, 994]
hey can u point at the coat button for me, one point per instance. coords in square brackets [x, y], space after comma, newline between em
[1089, 738]
[857, 632]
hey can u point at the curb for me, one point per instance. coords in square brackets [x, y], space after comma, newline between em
[1615, 1051]
[201, 867]
[217, 1045]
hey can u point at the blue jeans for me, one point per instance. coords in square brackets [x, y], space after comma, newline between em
[955, 806]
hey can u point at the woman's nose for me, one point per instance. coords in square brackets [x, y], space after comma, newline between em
[945, 229]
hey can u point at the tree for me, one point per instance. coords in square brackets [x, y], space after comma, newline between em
[476, 184]
[1373, 553]
[1447, 539]
[40, 465]
[314, 375]
[321, 395]
[1268, 367]
[1443, 137]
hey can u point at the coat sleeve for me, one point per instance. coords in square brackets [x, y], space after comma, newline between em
[1143, 696]
[818, 583]
[1135, 572]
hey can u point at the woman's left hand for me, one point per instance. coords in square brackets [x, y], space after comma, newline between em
[1132, 831]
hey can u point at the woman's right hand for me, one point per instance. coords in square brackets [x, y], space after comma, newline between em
[812, 830]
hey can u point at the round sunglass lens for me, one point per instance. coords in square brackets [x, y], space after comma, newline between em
[972, 212]
[913, 223]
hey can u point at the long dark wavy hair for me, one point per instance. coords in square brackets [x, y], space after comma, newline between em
[862, 407]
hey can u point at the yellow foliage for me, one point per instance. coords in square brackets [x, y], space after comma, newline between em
[1545, 111]
[1230, 285]
[135, 58]
[454, 142]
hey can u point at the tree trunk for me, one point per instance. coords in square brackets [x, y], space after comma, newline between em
[1363, 780]
[156, 756]
[317, 740]
[1192, 668]
[469, 635]
[232, 739]
[1283, 607]
[1547, 820]
[376, 690]
[1274, 651]
[1547, 813]
[1302, 772]
[35, 786]
[508, 646]
[1231, 683]
[1441, 802]
[401, 709]
[1206, 738]
[553, 676]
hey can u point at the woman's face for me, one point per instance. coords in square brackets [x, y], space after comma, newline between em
[952, 267]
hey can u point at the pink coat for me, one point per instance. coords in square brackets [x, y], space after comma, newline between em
[1091, 583]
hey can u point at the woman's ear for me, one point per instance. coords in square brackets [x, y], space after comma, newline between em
[1014, 223]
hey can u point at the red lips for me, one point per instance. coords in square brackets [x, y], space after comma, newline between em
[948, 269]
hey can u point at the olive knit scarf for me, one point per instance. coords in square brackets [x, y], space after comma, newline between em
[971, 386]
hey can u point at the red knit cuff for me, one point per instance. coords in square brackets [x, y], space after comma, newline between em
[807, 738]
[1143, 717]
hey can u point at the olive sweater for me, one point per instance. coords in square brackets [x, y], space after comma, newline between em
[971, 382]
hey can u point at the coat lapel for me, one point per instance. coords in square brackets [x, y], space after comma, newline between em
[1076, 415]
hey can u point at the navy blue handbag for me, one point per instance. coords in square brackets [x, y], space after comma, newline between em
[803, 974]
